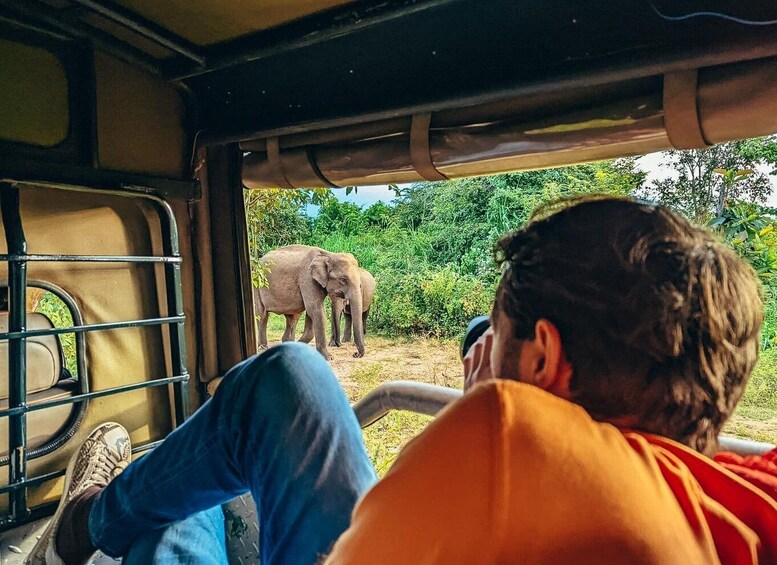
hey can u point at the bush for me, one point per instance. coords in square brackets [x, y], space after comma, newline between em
[435, 302]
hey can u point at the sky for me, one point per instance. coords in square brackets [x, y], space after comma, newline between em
[368, 195]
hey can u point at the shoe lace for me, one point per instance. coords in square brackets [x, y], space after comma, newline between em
[107, 467]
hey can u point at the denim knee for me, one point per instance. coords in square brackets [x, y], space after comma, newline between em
[294, 374]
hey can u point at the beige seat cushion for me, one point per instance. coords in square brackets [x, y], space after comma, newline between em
[42, 425]
[44, 357]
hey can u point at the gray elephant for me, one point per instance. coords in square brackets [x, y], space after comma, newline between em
[299, 279]
[340, 305]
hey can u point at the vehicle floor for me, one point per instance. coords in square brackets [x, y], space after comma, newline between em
[242, 526]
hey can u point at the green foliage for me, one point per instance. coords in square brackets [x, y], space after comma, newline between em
[760, 150]
[277, 217]
[433, 302]
[749, 229]
[769, 329]
[697, 189]
[341, 217]
[56, 311]
[431, 250]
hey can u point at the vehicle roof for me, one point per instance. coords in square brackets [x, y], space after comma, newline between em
[256, 70]
[268, 64]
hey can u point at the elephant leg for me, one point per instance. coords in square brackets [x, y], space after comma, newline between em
[291, 324]
[348, 327]
[337, 308]
[264, 317]
[315, 311]
[307, 333]
[364, 321]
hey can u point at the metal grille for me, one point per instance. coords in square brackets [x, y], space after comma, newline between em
[18, 408]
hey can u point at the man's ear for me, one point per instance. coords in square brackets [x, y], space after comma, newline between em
[544, 362]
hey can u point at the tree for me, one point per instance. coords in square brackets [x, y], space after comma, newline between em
[761, 150]
[463, 218]
[698, 192]
[749, 229]
[276, 217]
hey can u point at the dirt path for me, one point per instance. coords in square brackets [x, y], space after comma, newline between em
[423, 360]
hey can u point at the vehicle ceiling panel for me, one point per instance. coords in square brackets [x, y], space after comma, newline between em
[206, 22]
[456, 54]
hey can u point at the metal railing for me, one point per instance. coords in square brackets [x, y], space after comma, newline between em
[17, 258]
[82, 380]
[429, 399]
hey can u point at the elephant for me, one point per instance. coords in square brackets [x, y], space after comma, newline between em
[368, 294]
[340, 305]
[299, 279]
[343, 306]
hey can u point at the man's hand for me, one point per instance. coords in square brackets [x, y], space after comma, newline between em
[477, 361]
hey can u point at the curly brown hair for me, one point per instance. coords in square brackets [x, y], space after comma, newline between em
[659, 320]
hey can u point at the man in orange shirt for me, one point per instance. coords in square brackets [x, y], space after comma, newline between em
[622, 340]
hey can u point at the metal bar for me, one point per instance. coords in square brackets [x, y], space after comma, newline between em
[174, 298]
[36, 513]
[744, 447]
[61, 20]
[61, 176]
[146, 446]
[94, 394]
[24, 258]
[144, 27]
[56, 474]
[17, 350]
[172, 266]
[14, 20]
[429, 399]
[403, 395]
[95, 327]
[169, 228]
[32, 482]
[330, 24]
[74, 422]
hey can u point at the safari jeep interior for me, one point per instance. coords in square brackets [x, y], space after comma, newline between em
[130, 130]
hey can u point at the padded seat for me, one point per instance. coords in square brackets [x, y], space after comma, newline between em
[42, 425]
[46, 380]
[44, 356]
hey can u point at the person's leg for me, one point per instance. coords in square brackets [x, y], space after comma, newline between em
[197, 540]
[280, 426]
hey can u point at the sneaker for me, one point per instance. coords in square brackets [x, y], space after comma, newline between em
[105, 453]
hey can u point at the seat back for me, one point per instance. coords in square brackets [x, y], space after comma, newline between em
[44, 356]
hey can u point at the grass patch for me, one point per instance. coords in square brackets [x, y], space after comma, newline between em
[761, 391]
[386, 437]
[756, 415]
[754, 423]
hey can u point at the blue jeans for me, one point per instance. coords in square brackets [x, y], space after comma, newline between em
[278, 426]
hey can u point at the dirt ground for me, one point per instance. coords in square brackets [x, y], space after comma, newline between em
[437, 362]
[423, 360]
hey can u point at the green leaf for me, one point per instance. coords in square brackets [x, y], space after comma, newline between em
[715, 222]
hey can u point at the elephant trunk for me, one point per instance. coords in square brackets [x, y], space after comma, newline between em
[356, 321]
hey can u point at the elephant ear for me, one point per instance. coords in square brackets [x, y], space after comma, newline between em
[319, 270]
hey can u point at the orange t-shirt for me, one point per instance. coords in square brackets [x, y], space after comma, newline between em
[512, 474]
